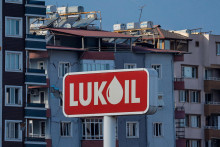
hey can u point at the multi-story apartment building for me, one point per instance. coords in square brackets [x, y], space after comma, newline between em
[15, 41]
[200, 96]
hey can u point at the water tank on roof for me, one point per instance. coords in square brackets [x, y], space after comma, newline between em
[117, 27]
[133, 25]
[146, 24]
[67, 25]
[75, 9]
[51, 9]
[62, 10]
[92, 16]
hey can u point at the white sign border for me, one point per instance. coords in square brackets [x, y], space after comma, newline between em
[107, 114]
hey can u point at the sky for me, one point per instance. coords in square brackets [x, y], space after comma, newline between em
[170, 14]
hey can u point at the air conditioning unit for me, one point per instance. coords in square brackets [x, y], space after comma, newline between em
[34, 92]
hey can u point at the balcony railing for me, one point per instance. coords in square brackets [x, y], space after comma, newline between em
[36, 105]
[35, 2]
[35, 77]
[35, 8]
[35, 42]
[211, 83]
[212, 127]
[179, 84]
[212, 103]
[213, 79]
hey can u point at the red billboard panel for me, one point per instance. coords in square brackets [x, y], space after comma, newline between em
[99, 93]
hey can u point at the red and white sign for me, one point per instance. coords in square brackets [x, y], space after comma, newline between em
[99, 93]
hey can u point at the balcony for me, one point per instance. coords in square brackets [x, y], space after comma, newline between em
[212, 132]
[211, 83]
[179, 84]
[178, 58]
[37, 133]
[212, 108]
[179, 113]
[181, 142]
[35, 77]
[35, 8]
[35, 42]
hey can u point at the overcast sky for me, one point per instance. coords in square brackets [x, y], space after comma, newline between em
[170, 14]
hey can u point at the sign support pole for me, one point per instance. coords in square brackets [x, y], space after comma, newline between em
[109, 131]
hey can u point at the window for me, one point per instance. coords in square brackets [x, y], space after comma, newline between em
[193, 143]
[64, 68]
[132, 129]
[61, 101]
[157, 129]
[42, 97]
[65, 129]
[95, 67]
[13, 26]
[92, 129]
[129, 65]
[13, 61]
[161, 44]
[14, 1]
[193, 121]
[189, 71]
[167, 44]
[41, 65]
[30, 128]
[218, 48]
[197, 43]
[42, 128]
[13, 95]
[195, 96]
[182, 122]
[12, 130]
[160, 101]
[183, 96]
[158, 69]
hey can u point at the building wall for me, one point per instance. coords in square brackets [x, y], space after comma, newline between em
[120, 60]
[13, 78]
[56, 110]
[1, 64]
[202, 56]
[164, 115]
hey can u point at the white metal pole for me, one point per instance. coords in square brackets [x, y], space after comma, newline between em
[109, 131]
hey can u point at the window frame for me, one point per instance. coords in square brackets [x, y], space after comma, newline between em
[137, 128]
[19, 2]
[197, 43]
[130, 64]
[192, 68]
[93, 136]
[160, 70]
[188, 120]
[20, 27]
[40, 124]
[20, 96]
[70, 129]
[186, 93]
[19, 131]
[20, 61]
[161, 129]
[217, 49]
[198, 93]
[69, 68]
